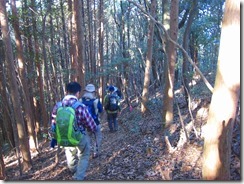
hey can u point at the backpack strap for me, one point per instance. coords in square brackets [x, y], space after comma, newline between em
[59, 104]
[95, 102]
[76, 104]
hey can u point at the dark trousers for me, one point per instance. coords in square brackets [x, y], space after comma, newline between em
[112, 121]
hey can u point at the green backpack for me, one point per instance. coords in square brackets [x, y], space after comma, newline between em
[67, 131]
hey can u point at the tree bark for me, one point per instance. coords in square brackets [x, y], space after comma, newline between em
[15, 96]
[186, 36]
[226, 93]
[26, 94]
[148, 68]
[168, 98]
[38, 61]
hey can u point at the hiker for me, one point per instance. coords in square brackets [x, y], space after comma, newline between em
[94, 107]
[85, 123]
[112, 107]
[116, 91]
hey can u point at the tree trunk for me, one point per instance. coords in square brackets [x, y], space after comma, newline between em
[186, 36]
[43, 115]
[6, 119]
[148, 68]
[168, 98]
[15, 96]
[26, 95]
[101, 44]
[80, 43]
[222, 112]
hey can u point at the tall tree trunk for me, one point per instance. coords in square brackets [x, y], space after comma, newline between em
[6, 123]
[73, 39]
[22, 66]
[43, 116]
[101, 44]
[30, 66]
[226, 93]
[123, 80]
[148, 68]
[91, 50]
[168, 98]
[80, 43]
[186, 38]
[15, 96]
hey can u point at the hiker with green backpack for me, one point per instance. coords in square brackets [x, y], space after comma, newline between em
[70, 122]
[95, 108]
[112, 107]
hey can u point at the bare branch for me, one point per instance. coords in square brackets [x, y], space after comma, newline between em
[177, 45]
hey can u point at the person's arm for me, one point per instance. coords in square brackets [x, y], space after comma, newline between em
[84, 118]
[99, 107]
[54, 114]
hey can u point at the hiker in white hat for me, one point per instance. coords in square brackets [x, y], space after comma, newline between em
[94, 107]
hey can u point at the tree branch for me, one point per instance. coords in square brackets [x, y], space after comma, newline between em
[177, 45]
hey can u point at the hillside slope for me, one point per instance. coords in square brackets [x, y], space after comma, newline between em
[137, 151]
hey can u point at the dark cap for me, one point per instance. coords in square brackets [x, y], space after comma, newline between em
[111, 88]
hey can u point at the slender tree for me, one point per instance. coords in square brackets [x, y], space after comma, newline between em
[148, 68]
[186, 40]
[15, 95]
[101, 45]
[22, 66]
[226, 93]
[170, 69]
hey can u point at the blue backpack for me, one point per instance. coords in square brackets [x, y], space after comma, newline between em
[91, 108]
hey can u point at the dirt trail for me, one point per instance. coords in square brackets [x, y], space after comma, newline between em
[135, 152]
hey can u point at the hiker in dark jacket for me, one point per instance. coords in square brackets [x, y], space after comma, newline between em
[85, 123]
[95, 108]
[112, 107]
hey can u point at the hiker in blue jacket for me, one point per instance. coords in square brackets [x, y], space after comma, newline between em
[95, 108]
[112, 107]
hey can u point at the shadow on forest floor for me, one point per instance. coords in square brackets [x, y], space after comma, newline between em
[137, 151]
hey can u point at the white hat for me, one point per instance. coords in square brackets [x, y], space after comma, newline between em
[90, 88]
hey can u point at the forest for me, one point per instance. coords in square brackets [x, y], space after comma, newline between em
[176, 62]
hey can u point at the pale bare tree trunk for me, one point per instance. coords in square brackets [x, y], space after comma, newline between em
[148, 68]
[15, 96]
[101, 44]
[73, 39]
[168, 98]
[226, 93]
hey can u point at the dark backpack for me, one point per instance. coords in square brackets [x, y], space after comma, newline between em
[91, 108]
[112, 104]
[67, 132]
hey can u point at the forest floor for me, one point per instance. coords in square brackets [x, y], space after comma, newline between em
[138, 151]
